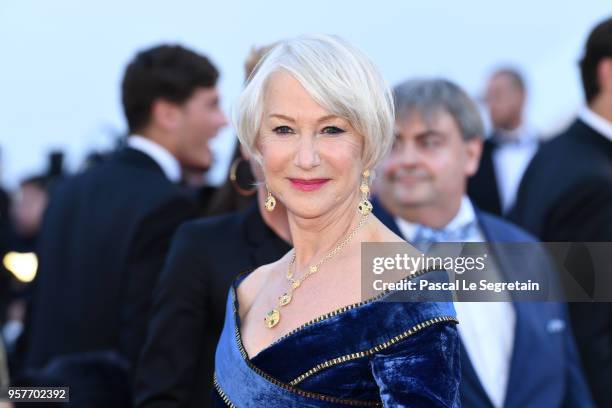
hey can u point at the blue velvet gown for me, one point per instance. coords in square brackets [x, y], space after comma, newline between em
[373, 353]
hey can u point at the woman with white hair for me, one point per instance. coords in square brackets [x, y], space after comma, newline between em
[318, 117]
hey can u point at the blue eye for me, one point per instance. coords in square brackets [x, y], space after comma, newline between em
[282, 130]
[332, 130]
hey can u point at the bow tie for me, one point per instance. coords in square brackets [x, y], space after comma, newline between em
[499, 139]
[426, 235]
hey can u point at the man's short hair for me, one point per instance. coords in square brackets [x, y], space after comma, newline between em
[515, 76]
[169, 72]
[429, 97]
[598, 47]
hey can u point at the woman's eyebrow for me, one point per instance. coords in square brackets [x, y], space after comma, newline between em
[328, 117]
[429, 132]
[290, 119]
[278, 115]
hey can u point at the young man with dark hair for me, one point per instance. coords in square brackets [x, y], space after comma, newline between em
[107, 230]
[169, 96]
[566, 195]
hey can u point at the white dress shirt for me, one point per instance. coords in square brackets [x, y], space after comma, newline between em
[510, 160]
[164, 159]
[600, 124]
[486, 328]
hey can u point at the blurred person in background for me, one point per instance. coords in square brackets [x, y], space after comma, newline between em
[231, 196]
[566, 196]
[107, 230]
[177, 363]
[26, 213]
[194, 181]
[98, 379]
[513, 353]
[511, 146]
[27, 208]
[30, 202]
[238, 192]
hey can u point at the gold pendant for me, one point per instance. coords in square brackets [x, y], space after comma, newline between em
[285, 299]
[272, 318]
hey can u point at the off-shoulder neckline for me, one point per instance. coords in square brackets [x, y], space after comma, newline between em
[321, 318]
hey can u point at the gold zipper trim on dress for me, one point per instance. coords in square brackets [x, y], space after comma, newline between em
[369, 352]
[222, 393]
[345, 308]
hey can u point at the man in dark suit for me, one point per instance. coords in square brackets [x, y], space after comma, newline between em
[106, 231]
[566, 195]
[177, 363]
[514, 354]
[508, 151]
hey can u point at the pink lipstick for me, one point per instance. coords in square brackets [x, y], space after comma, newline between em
[308, 185]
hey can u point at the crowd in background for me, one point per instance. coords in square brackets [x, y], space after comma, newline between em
[88, 257]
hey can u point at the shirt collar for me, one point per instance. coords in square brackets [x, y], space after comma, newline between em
[524, 134]
[464, 216]
[168, 163]
[596, 122]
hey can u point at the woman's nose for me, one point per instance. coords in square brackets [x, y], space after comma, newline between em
[307, 155]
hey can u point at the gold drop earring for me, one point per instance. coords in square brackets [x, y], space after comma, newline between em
[365, 206]
[270, 200]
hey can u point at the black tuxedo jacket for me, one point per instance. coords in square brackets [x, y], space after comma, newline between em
[566, 195]
[104, 238]
[177, 363]
[483, 187]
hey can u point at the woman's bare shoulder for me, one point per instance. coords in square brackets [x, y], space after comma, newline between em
[383, 234]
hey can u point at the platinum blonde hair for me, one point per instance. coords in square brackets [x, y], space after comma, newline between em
[338, 77]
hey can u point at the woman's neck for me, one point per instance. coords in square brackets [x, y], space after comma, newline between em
[314, 238]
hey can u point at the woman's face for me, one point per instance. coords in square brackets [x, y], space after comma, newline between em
[311, 158]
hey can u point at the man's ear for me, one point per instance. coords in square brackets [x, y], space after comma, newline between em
[165, 114]
[604, 75]
[473, 150]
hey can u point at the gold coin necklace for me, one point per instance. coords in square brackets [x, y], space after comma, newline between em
[273, 316]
